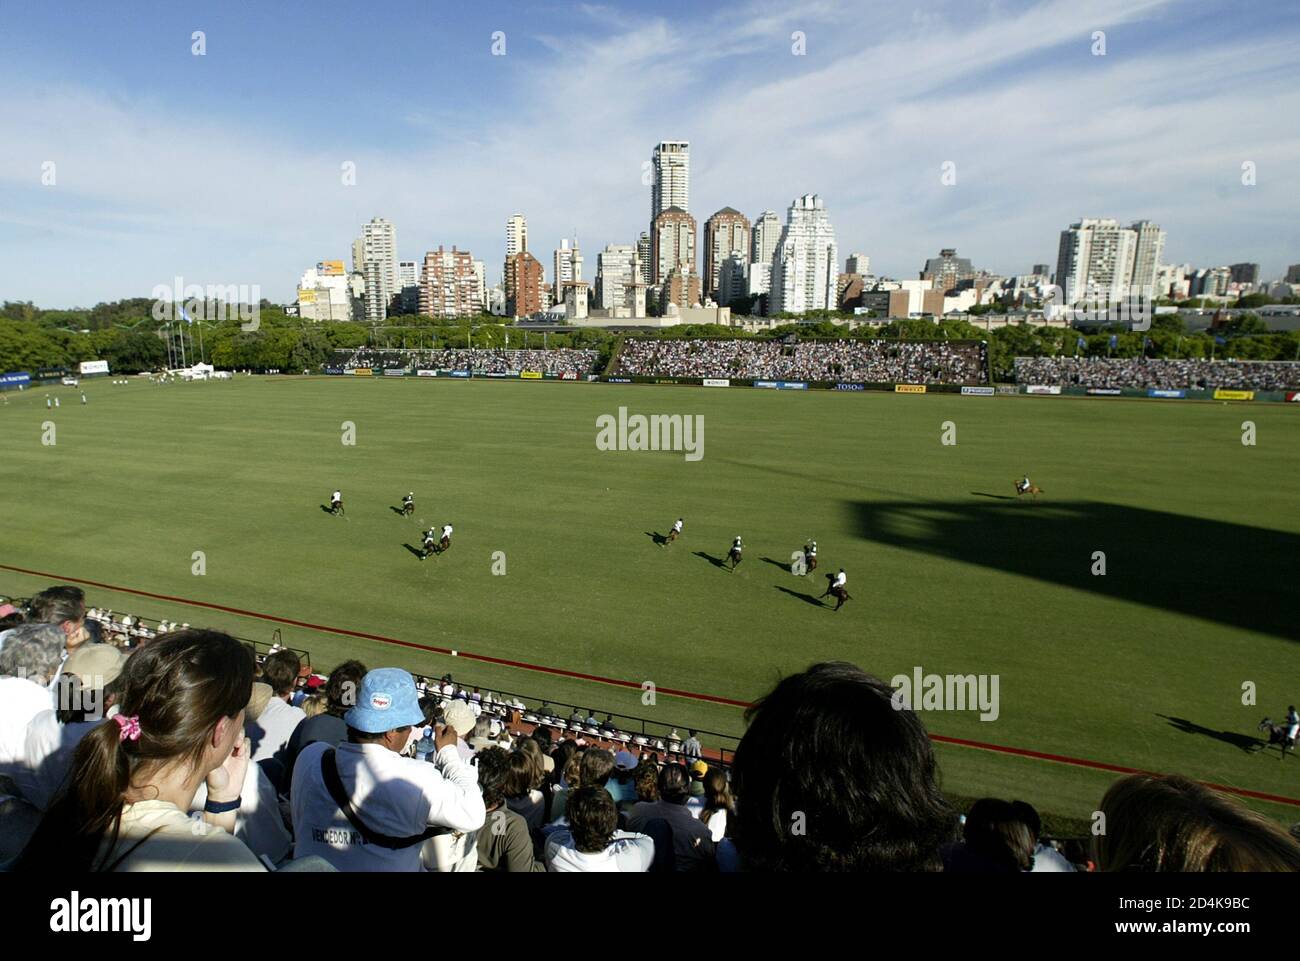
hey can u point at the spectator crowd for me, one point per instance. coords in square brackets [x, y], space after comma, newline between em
[189, 753]
[575, 362]
[850, 360]
[1143, 373]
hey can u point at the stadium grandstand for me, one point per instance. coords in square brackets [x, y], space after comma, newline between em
[574, 361]
[375, 769]
[1144, 373]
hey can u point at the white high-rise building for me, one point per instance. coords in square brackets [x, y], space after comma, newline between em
[516, 235]
[1150, 246]
[807, 260]
[1095, 260]
[480, 276]
[379, 265]
[766, 235]
[613, 274]
[672, 177]
[568, 264]
[858, 264]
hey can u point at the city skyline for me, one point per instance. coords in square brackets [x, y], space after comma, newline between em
[161, 172]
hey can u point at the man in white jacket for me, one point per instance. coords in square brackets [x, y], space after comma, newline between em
[394, 804]
[591, 844]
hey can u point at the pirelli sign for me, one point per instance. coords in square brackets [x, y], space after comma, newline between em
[909, 388]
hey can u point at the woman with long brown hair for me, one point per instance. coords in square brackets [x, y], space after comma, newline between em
[181, 724]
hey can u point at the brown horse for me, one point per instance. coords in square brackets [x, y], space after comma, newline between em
[1276, 735]
[1034, 490]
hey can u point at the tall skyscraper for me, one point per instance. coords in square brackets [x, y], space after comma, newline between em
[671, 186]
[379, 248]
[516, 235]
[947, 270]
[726, 233]
[525, 283]
[613, 274]
[806, 264]
[1096, 259]
[568, 265]
[408, 279]
[450, 286]
[672, 244]
[1149, 247]
[767, 234]
[643, 255]
[859, 264]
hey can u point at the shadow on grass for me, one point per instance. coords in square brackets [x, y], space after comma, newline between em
[715, 561]
[395, 510]
[784, 565]
[1229, 573]
[997, 497]
[806, 598]
[658, 538]
[415, 550]
[1235, 738]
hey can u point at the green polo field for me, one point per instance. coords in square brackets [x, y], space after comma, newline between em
[1165, 662]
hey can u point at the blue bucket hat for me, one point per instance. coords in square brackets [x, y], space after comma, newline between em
[387, 700]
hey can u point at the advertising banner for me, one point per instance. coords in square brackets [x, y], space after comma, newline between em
[94, 367]
[909, 388]
[714, 382]
[569, 375]
[332, 370]
[1043, 389]
[491, 373]
[394, 372]
[1221, 394]
[530, 375]
[1293, 396]
[977, 391]
[619, 380]
[456, 373]
[362, 372]
[782, 384]
[426, 373]
[1007, 389]
[329, 268]
[1105, 391]
[15, 378]
[1159, 392]
[850, 386]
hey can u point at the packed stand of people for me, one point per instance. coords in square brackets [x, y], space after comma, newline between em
[1168, 374]
[873, 361]
[575, 362]
[187, 754]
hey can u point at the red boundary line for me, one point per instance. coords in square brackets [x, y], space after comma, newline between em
[616, 682]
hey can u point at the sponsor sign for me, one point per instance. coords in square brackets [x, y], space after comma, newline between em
[1221, 394]
[1043, 389]
[332, 370]
[1105, 391]
[426, 373]
[569, 375]
[329, 268]
[94, 367]
[665, 381]
[394, 372]
[362, 372]
[1160, 392]
[620, 380]
[530, 375]
[15, 378]
[456, 373]
[850, 386]
[1293, 396]
[592, 377]
[714, 382]
[491, 373]
[1007, 389]
[306, 296]
[909, 388]
[782, 384]
[978, 391]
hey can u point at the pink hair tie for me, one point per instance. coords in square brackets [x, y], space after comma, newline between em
[129, 727]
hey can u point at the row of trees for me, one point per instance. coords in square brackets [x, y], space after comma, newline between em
[130, 339]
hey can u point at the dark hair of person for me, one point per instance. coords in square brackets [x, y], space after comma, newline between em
[365, 737]
[593, 818]
[542, 735]
[493, 775]
[280, 670]
[342, 687]
[12, 620]
[647, 782]
[995, 832]
[563, 752]
[827, 751]
[1172, 823]
[674, 784]
[1027, 813]
[180, 687]
[597, 764]
[717, 795]
[54, 605]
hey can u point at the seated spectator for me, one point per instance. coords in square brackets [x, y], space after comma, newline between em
[340, 695]
[65, 607]
[713, 808]
[542, 735]
[826, 749]
[597, 766]
[457, 714]
[86, 691]
[697, 771]
[503, 843]
[995, 841]
[691, 746]
[646, 779]
[362, 806]
[482, 735]
[692, 841]
[313, 705]
[1170, 823]
[271, 731]
[29, 662]
[180, 724]
[572, 780]
[523, 786]
[591, 843]
[1046, 858]
[620, 784]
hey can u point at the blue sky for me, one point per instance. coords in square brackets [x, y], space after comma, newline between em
[225, 168]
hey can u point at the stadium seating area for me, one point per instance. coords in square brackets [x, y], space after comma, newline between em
[495, 785]
[859, 361]
[578, 362]
[1142, 373]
